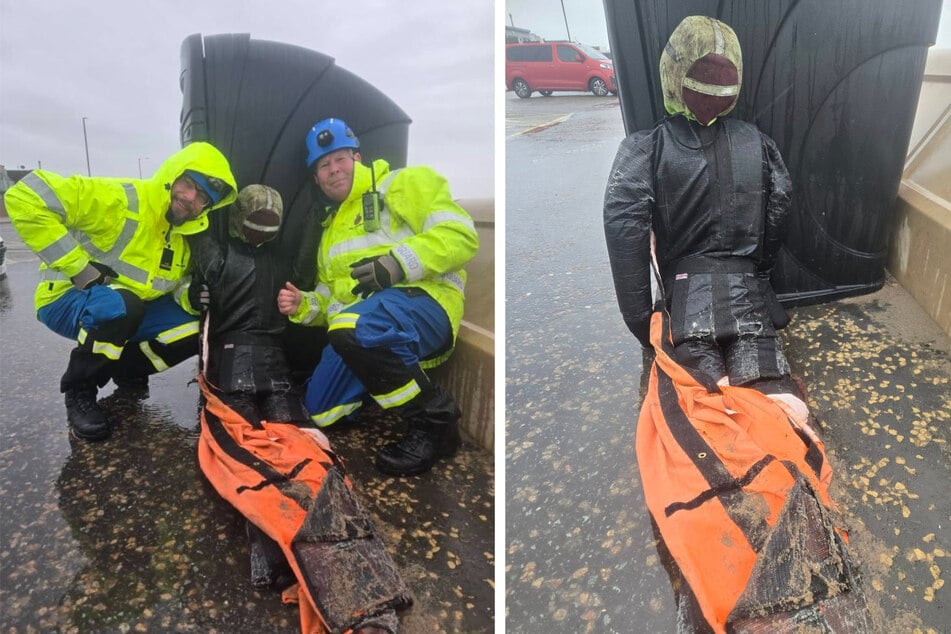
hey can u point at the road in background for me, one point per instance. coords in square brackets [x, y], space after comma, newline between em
[580, 553]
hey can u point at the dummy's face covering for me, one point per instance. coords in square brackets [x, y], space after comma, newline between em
[701, 69]
[256, 215]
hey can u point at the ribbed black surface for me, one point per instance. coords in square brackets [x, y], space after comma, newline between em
[835, 84]
[256, 100]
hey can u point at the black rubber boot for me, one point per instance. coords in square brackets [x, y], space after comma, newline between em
[433, 433]
[86, 419]
[419, 449]
[133, 388]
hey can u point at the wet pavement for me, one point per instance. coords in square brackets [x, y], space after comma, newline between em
[127, 536]
[580, 552]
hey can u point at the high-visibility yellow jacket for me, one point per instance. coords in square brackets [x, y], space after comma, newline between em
[430, 235]
[69, 221]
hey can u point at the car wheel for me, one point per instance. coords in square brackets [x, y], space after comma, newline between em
[546, 93]
[520, 86]
[598, 87]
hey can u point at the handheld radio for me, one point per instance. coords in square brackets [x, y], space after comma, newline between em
[372, 205]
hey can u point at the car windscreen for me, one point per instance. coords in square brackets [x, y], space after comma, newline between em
[593, 53]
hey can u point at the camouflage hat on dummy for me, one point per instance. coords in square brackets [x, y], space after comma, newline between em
[701, 69]
[256, 215]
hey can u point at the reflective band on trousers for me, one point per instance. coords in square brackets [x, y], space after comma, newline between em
[333, 415]
[178, 333]
[157, 362]
[106, 349]
[343, 320]
[399, 396]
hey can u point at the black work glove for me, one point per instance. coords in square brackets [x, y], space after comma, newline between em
[93, 274]
[199, 296]
[375, 274]
[642, 330]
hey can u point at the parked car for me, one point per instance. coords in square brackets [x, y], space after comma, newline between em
[550, 66]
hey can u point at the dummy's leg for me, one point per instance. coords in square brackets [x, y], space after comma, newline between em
[269, 567]
[759, 360]
[285, 406]
[278, 398]
[252, 375]
[701, 355]
[759, 363]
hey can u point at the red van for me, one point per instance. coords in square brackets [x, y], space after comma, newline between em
[550, 66]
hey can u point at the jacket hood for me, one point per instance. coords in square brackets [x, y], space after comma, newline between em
[201, 157]
[701, 69]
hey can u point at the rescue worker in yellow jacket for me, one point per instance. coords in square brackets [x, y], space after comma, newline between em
[390, 290]
[113, 253]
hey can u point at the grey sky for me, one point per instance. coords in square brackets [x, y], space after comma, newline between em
[586, 23]
[544, 17]
[117, 63]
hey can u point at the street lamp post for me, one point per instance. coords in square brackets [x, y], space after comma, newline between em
[565, 15]
[86, 143]
[140, 164]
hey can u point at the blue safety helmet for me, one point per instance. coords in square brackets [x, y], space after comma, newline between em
[214, 188]
[329, 136]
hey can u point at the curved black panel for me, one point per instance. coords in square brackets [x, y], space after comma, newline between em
[256, 100]
[835, 84]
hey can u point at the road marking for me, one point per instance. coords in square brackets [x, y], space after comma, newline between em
[542, 126]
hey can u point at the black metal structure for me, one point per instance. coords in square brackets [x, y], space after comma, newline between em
[255, 100]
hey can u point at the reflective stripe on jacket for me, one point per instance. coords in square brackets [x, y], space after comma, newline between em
[428, 233]
[69, 221]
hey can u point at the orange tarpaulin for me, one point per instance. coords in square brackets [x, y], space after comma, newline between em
[732, 487]
[288, 482]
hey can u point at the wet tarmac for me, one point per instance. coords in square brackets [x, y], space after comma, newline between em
[127, 536]
[580, 552]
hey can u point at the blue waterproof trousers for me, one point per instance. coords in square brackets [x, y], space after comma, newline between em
[376, 347]
[119, 335]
